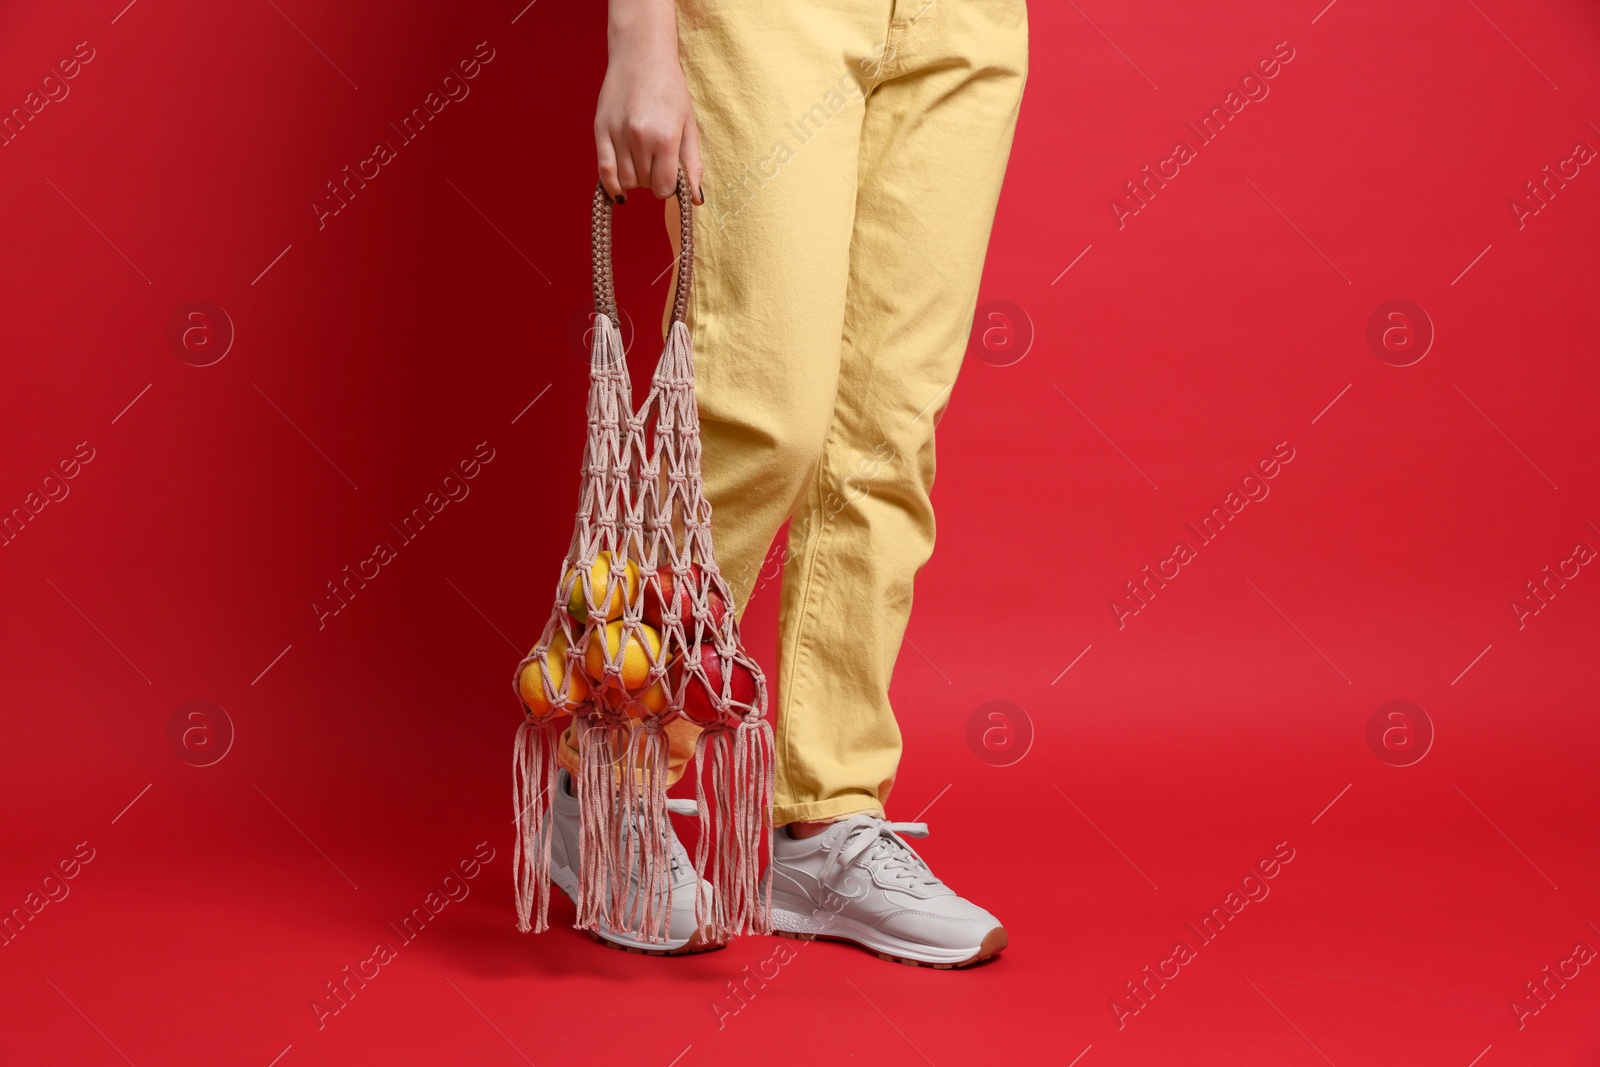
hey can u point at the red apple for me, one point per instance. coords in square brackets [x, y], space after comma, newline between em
[677, 601]
[698, 703]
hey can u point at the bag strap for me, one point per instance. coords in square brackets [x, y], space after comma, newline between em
[605, 294]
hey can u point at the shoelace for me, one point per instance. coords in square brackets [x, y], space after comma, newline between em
[883, 848]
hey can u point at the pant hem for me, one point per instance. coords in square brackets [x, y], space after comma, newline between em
[824, 810]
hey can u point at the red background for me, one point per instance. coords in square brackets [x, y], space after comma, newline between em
[1231, 714]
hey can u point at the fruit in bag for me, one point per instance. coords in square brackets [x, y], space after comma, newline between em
[531, 686]
[676, 600]
[698, 703]
[597, 579]
[638, 651]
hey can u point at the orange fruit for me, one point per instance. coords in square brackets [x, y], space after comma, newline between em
[641, 648]
[531, 685]
[597, 579]
[654, 700]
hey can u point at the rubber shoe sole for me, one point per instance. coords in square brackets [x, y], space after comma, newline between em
[993, 942]
[699, 941]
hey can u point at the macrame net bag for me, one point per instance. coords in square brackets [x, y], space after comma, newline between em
[642, 632]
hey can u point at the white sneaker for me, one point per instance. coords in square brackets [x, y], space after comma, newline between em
[683, 935]
[859, 881]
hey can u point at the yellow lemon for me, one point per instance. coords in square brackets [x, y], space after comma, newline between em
[598, 578]
[531, 685]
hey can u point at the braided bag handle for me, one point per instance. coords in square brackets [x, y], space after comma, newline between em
[605, 295]
[641, 633]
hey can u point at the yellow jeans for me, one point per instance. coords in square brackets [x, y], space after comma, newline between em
[854, 151]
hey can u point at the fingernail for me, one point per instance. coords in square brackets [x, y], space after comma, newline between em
[701, 193]
[621, 199]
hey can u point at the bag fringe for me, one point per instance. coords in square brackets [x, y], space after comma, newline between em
[738, 817]
[600, 891]
[648, 915]
[533, 775]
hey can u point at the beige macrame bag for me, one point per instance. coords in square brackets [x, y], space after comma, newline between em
[644, 518]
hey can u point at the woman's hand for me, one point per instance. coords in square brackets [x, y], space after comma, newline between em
[644, 125]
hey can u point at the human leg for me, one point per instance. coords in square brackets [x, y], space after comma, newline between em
[935, 138]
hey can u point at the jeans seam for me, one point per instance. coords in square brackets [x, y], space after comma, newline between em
[809, 563]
